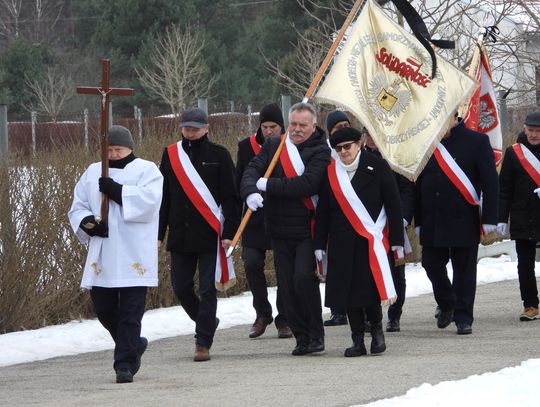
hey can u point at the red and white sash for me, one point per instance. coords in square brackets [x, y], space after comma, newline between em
[361, 221]
[293, 166]
[202, 199]
[460, 180]
[456, 175]
[530, 163]
[256, 147]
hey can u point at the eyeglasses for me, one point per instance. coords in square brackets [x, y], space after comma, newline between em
[345, 147]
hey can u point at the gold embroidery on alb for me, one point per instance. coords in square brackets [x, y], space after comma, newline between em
[96, 269]
[139, 268]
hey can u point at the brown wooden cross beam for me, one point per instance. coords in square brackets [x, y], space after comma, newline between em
[105, 92]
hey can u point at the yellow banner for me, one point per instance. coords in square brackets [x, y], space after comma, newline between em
[383, 76]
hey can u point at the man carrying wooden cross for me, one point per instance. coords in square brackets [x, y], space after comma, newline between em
[122, 254]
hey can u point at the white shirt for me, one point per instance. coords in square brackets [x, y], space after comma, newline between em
[128, 257]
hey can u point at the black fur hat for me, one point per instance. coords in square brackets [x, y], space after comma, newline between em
[345, 134]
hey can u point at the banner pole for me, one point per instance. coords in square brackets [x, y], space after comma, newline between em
[311, 90]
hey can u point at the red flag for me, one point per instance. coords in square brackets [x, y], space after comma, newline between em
[482, 114]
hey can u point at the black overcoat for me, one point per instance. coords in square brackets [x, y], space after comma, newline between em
[254, 235]
[349, 281]
[406, 191]
[445, 218]
[188, 230]
[286, 216]
[517, 198]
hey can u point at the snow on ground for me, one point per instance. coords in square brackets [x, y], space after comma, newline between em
[508, 387]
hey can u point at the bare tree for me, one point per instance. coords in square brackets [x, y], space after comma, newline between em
[34, 20]
[178, 73]
[45, 16]
[514, 57]
[10, 14]
[297, 71]
[51, 92]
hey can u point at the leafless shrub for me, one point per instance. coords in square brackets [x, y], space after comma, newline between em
[40, 258]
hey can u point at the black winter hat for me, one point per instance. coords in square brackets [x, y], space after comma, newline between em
[345, 134]
[533, 119]
[120, 136]
[271, 113]
[334, 117]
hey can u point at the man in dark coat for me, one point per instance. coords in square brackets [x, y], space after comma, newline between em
[191, 238]
[406, 198]
[336, 120]
[450, 225]
[255, 241]
[520, 199]
[350, 280]
[296, 178]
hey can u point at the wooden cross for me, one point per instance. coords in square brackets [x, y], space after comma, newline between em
[105, 92]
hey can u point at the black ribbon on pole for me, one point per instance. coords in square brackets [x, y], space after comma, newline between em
[421, 32]
[491, 33]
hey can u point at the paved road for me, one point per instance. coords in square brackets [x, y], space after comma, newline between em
[261, 372]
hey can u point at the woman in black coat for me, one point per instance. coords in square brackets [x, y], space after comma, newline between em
[350, 282]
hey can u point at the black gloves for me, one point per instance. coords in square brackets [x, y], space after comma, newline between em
[111, 188]
[90, 226]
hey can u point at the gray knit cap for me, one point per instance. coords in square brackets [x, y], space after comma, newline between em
[120, 136]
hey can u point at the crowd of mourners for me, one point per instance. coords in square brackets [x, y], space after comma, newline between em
[331, 209]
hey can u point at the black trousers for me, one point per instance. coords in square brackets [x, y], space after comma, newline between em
[526, 254]
[398, 275]
[358, 315]
[254, 267]
[300, 287]
[200, 308]
[120, 311]
[458, 294]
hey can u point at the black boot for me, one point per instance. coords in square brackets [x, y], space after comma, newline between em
[394, 314]
[377, 338]
[393, 325]
[358, 348]
[336, 319]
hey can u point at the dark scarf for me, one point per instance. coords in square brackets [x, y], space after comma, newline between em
[122, 162]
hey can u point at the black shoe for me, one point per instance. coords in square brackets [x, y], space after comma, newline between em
[378, 344]
[124, 375]
[464, 329]
[217, 322]
[358, 348]
[445, 318]
[316, 345]
[393, 325]
[300, 349]
[437, 312]
[336, 319]
[143, 344]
